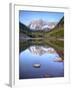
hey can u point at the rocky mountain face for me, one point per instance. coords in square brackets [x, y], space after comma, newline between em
[41, 25]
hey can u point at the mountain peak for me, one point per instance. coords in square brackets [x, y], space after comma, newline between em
[41, 25]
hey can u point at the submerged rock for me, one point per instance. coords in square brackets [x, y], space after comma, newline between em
[36, 65]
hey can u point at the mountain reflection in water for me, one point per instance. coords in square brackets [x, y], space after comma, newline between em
[40, 50]
[51, 63]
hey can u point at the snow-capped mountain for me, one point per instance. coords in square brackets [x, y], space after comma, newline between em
[41, 25]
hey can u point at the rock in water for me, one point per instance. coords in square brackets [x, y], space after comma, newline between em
[36, 65]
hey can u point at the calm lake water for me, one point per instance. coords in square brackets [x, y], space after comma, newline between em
[47, 55]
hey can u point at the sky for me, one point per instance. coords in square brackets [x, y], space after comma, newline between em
[26, 17]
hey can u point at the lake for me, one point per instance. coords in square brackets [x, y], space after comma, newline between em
[39, 58]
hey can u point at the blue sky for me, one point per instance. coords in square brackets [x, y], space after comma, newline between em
[27, 16]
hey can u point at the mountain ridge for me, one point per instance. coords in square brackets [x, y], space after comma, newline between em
[57, 31]
[41, 25]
